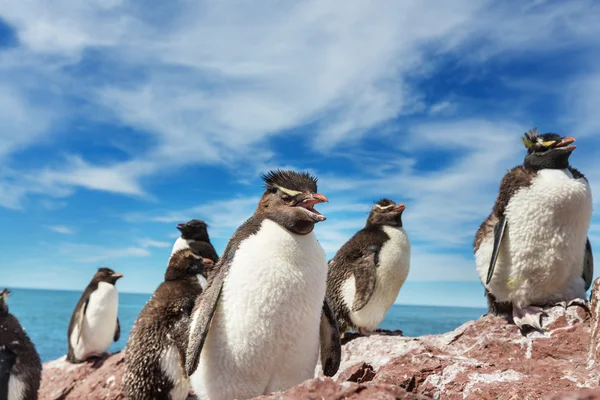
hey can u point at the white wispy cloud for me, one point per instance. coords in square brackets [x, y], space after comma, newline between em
[89, 253]
[147, 242]
[211, 82]
[63, 229]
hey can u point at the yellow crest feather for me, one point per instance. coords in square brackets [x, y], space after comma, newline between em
[528, 143]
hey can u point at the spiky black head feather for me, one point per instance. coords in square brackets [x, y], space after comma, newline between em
[300, 181]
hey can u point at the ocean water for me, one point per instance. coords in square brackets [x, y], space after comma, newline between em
[45, 315]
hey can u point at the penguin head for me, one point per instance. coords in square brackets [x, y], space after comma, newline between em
[185, 263]
[289, 200]
[386, 212]
[547, 151]
[194, 229]
[106, 275]
[3, 298]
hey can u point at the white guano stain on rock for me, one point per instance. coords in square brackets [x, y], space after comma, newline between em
[494, 377]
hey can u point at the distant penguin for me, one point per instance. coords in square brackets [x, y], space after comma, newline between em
[195, 230]
[532, 250]
[366, 274]
[94, 324]
[155, 352]
[258, 325]
[20, 365]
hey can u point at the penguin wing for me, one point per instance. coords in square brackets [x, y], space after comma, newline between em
[515, 179]
[7, 360]
[206, 304]
[588, 265]
[331, 347]
[80, 316]
[499, 230]
[364, 277]
[117, 331]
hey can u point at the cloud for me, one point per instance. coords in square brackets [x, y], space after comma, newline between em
[88, 253]
[62, 229]
[213, 83]
[146, 242]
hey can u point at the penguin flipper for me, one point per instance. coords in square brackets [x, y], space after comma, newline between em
[117, 331]
[7, 360]
[499, 230]
[588, 265]
[364, 278]
[206, 304]
[331, 347]
[80, 318]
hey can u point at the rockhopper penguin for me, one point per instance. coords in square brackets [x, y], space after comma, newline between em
[155, 352]
[532, 250]
[20, 365]
[256, 328]
[94, 324]
[195, 231]
[366, 274]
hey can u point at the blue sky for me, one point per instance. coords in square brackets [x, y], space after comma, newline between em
[120, 119]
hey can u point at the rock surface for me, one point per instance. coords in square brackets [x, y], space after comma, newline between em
[484, 359]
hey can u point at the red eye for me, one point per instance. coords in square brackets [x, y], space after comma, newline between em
[287, 200]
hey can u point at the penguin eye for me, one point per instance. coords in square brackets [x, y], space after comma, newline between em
[286, 199]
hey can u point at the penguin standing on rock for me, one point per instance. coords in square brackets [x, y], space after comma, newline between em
[20, 365]
[155, 352]
[533, 251]
[94, 324]
[195, 230]
[258, 326]
[366, 274]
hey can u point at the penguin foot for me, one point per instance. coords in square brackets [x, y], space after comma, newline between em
[583, 303]
[528, 317]
[365, 332]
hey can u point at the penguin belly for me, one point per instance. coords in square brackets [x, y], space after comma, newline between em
[172, 367]
[264, 335]
[541, 256]
[99, 323]
[16, 388]
[391, 273]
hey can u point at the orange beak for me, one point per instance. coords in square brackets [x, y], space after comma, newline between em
[566, 141]
[400, 207]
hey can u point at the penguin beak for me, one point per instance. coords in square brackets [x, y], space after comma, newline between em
[180, 226]
[116, 276]
[566, 141]
[400, 207]
[207, 261]
[308, 206]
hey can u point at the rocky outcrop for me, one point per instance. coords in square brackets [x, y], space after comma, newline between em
[484, 359]
[100, 379]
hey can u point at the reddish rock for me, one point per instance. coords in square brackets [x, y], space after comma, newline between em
[97, 380]
[327, 388]
[484, 359]
[359, 373]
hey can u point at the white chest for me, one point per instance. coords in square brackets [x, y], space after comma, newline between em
[16, 388]
[390, 275]
[274, 289]
[180, 244]
[100, 321]
[279, 279]
[542, 253]
[170, 363]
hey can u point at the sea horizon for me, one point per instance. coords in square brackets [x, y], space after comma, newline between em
[45, 316]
